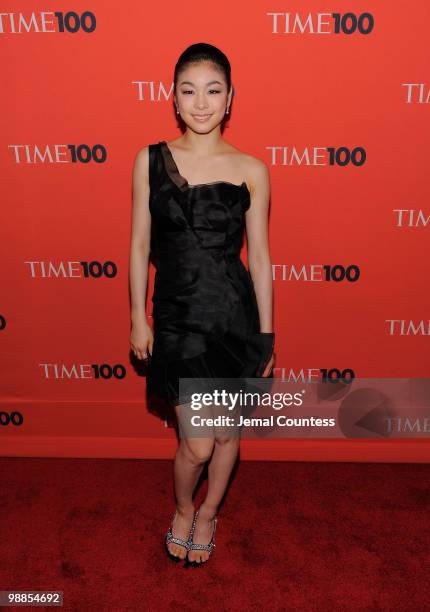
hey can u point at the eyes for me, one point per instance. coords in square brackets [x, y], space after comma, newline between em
[187, 91]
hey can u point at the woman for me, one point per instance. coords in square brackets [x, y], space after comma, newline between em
[212, 317]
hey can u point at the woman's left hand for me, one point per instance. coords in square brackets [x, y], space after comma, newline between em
[269, 366]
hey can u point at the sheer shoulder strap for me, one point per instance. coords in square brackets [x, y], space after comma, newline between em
[155, 168]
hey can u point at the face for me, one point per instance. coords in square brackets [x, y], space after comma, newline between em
[201, 96]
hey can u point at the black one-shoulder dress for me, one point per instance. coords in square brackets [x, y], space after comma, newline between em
[205, 315]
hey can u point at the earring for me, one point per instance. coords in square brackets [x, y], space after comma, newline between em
[177, 110]
[227, 111]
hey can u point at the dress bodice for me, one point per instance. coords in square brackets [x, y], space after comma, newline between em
[196, 239]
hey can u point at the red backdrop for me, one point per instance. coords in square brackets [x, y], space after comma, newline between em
[336, 104]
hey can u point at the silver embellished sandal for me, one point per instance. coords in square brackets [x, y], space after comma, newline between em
[194, 546]
[170, 538]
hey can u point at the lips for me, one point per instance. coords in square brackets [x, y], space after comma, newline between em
[201, 118]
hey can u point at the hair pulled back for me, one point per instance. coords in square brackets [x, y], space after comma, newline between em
[203, 52]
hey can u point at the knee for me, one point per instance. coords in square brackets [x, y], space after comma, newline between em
[198, 451]
[226, 440]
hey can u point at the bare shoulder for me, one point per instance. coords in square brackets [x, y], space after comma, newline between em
[141, 163]
[142, 157]
[254, 170]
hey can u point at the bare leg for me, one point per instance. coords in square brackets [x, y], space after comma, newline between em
[191, 455]
[220, 467]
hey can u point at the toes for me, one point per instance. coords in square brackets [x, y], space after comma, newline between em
[177, 551]
[198, 557]
[181, 552]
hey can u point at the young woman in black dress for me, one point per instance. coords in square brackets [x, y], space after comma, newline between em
[212, 316]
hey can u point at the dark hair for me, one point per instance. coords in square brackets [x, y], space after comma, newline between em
[201, 52]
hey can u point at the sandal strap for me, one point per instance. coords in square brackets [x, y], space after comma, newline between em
[171, 538]
[208, 547]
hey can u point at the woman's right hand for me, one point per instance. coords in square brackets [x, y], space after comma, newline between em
[141, 339]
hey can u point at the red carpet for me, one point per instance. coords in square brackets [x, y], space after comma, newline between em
[290, 536]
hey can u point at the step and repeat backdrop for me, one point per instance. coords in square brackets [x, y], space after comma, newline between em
[334, 97]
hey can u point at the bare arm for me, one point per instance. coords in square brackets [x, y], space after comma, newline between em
[141, 336]
[260, 266]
